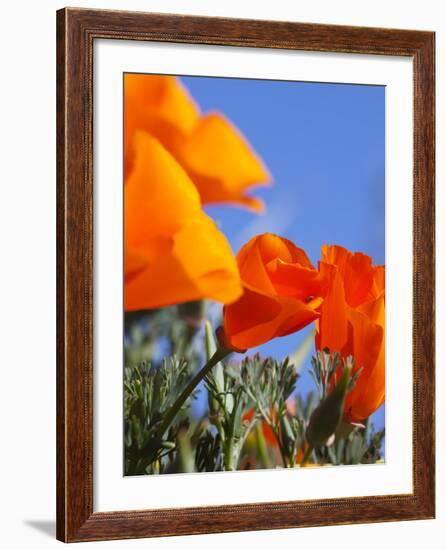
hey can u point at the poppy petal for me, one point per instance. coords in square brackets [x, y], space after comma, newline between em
[221, 163]
[159, 197]
[187, 257]
[332, 326]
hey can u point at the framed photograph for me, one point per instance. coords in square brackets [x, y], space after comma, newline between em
[245, 243]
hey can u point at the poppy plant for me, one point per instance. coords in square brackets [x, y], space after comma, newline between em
[352, 322]
[173, 251]
[217, 158]
[282, 292]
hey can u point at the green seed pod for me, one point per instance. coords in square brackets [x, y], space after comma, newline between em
[327, 416]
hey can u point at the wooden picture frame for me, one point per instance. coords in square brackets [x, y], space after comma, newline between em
[77, 29]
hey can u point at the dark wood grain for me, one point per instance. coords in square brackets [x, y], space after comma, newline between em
[76, 31]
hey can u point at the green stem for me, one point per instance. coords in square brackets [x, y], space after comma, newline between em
[229, 443]
[150, 450]
[229, 454]
[219, 354]
[261, 447]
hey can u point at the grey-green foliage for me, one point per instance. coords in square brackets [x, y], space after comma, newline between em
[243, 396]
[228, 404]
[269, 384]
[360, 446]
[149, 391]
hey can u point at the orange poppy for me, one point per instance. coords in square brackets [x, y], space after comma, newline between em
[217, 158]
[173, 251]
[352, 322]
[282, 292]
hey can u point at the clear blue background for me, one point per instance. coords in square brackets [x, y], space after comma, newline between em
[324, 146]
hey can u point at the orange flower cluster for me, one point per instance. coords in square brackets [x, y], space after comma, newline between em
[283, 293]
[175, 160]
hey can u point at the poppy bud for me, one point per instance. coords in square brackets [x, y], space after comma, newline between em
[327, 416]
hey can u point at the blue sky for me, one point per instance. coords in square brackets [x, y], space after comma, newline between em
[324, 146]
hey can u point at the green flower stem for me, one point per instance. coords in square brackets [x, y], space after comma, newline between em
[229, 459]
[279, 444]
[215, 402]
[229, 453]
[219, 354]
[261, 447]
